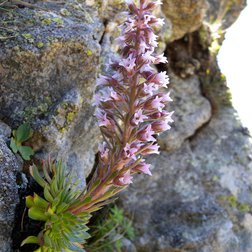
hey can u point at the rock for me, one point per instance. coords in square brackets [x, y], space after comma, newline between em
[48, 77]
[225, 11]
[199, 197]
[192, 110]
[185, 16]
[9, 198]
[5, 131]
[128, 246]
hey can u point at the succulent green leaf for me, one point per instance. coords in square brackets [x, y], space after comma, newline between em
[30, 240]
[40, 202]
[26, 152]
[23, 133]
[37, 214]
[38, 178]
[47, 194]
[29, 201]
[13, 145]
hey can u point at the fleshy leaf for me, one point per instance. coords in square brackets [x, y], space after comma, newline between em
[35, 174]
[30, 240]
[13, 145]
[23, 133]
[26, 152]
[29, 201]
[37, 214]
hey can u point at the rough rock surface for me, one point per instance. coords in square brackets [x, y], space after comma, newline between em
[9, 198]
[47, 78]
[199, 197]
[192, 111]
[187, 16]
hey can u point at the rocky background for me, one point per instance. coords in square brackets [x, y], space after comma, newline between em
[199, 197]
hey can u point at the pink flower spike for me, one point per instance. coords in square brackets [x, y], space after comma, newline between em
[144, 168]
[139, 117]
[146, 134]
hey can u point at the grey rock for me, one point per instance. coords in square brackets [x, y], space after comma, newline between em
[192, 110]
[196, 198]
[185, 16]
[5, 131]
[48, 77]
[199, 197]
[9, 198]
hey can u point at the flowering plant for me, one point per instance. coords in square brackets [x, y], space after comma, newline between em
[130, 113]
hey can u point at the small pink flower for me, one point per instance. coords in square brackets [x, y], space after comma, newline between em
[130, 25]
[123, 180]
[150, 88]
[160, 59]
[144, 168]
[162, 78]
[143, 46]
[128, 63]
[120, 41]
[165, 97]
[104, 151]
[153, 149]
[146, 134]
[103, 119]
[146, 68]
[152, 39]
[159, 22]
[102, 80]
[139, 117]
[151, 5]
[130, 150]
[148, 58]
[115, 96]
[161, 126]
[155, 103]
[147, 18]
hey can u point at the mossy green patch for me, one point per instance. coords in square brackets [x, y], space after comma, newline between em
[233, 202]
[46, 21]
[40, 44]
[58, 21]
[89, 53]
[70, 117]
